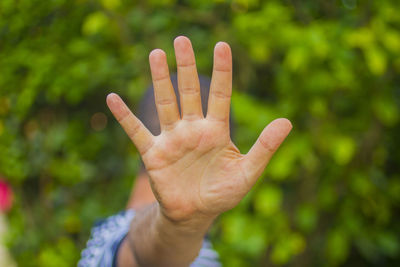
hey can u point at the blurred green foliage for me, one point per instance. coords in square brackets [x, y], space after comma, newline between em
[330, 197]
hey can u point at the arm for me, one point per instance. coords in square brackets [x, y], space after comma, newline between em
[156, 241]
[141, 194]
[195, 170]
[148, 224]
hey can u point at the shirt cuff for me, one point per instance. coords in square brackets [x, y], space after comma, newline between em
[107, 236]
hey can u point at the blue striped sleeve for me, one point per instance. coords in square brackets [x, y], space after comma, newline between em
[106, 236]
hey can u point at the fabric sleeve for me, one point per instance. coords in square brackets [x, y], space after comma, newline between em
[107, 235]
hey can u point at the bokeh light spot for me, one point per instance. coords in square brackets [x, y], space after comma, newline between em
[98, 121]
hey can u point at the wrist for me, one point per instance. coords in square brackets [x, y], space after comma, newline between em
[176, 243]
[196, 224]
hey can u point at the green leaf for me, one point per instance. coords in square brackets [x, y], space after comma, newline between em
[95, 23]
[268, 200]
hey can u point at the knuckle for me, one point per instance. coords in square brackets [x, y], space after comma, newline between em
[220, 94]
[190, 90]
[165, 102]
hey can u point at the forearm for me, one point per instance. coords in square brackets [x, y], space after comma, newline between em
[153, 240]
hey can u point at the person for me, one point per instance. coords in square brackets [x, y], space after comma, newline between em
[193, 170]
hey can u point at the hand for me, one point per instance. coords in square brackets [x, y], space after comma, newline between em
[195, 170]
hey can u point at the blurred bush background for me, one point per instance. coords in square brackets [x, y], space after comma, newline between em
[330, 197]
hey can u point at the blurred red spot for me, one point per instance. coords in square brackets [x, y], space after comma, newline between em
[6, 196]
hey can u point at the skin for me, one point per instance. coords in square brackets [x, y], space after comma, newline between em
[195, 170]
[141, 194]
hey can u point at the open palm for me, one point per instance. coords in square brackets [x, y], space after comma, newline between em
[195, 169]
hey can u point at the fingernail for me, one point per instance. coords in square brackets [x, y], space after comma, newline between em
[112, 98]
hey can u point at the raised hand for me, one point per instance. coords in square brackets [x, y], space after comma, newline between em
[195, 170]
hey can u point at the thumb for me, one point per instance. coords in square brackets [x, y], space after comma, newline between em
[267, 143]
